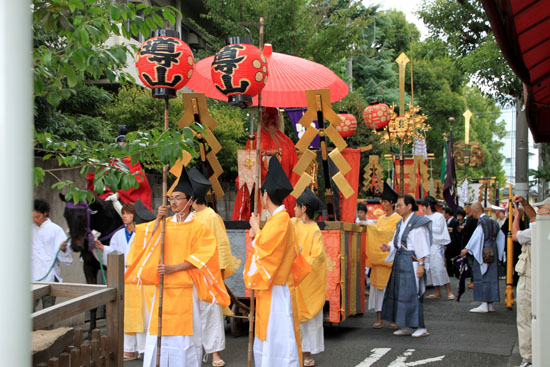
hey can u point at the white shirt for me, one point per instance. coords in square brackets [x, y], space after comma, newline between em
[440, 232]
[118, 243]
[418, 241]
[46, 240]
[365, 221]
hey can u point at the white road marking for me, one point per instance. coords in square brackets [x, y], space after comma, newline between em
[376, 354]
[400, 361]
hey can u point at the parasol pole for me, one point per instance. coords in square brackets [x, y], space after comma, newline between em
[162, 234]
[509, 301]
[256, 196]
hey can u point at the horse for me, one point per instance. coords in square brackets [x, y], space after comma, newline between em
[82, 219]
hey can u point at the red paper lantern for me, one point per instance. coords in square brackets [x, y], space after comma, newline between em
[165, 64]
[377, 115]
[347, 127]
[239, 71]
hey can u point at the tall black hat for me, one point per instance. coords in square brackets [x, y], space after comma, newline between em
[199, 183]
[184, 184]
[362, 207]
[309, 199]
[122, 131]
[389, 194]
[143, 214]
[276, 182]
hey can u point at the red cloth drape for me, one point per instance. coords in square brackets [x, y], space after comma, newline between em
[347, 206]
[289, 158]
[143, 192]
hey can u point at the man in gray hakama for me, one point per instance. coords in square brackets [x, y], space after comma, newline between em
[486, 234]
[409, 251]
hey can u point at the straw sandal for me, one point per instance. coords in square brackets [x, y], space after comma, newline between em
[129, 356]
[309, 363]
[433, 296]
[377, 325]
[218, 363]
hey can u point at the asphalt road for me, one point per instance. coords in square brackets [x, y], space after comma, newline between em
[458, 338]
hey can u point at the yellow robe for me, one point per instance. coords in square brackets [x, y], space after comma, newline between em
[312, 291]
[274, 254]
[214, 222]
[377, 235]
[189, 241]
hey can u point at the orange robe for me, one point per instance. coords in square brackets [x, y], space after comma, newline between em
[378, 234]
[189, 241]
[272, 260]
[312, 291]
[215, 224]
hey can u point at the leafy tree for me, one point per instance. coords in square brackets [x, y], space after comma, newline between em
[134, 107]
[71, 51]
[324, 31]
[463, 25]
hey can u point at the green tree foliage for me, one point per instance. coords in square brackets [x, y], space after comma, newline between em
[466, 30]
[72, 50]
[324, 31]
[134, 107]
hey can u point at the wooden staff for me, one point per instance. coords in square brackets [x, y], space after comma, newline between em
[256, 195]
[162, 233]
[509, 255]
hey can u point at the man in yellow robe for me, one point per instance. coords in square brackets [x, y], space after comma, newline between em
[378, 234]
[312, 291]
[191, 273]
[268, 270]
[213, 329]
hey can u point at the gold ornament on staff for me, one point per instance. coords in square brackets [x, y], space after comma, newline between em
[466, 153]
[405, 127]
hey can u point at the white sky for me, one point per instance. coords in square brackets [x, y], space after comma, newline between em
[406, 6]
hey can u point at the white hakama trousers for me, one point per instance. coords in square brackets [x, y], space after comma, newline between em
[213, 330]
[279, 348]
[313, 340]
[177, 350]
[376, 298]
[437, 274]
[136, 342]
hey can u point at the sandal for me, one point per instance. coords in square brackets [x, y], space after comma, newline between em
[129, 356]
[309, 363]
[433, 296]
[377, 325]
[451, 297]
[393, 326]
[218, 363]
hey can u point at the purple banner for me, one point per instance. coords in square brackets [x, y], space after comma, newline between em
[295, 114]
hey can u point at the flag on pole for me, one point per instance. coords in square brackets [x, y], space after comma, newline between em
[444, 163]
[449, 187]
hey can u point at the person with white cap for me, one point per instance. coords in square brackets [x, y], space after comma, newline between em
[523, 268]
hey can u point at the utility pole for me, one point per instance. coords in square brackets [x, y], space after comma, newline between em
[522, 152]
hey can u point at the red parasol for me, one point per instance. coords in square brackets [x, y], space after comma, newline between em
[289, 77]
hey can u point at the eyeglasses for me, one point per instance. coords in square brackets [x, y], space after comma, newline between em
[176, 199]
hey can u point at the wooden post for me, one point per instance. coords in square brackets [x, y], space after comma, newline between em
[115, 309]
[105, 350]
[53, 362]
[75, 356]
[64, 359]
